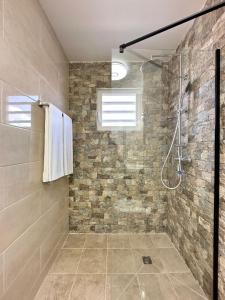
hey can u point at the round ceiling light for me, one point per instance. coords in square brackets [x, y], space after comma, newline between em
[119, 70]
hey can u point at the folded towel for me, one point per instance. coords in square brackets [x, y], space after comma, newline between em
[53, 150]
[68, 144]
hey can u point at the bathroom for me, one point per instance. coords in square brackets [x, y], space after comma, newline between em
[127, 202]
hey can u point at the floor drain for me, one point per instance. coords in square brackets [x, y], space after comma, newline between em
[147, 260]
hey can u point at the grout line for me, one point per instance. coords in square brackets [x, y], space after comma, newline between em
[58, 273]
[78, 264]
[55, 259]
[24, 162]
[185, 285]
[129, 282]
[173, 288]
[47, 268]
[95, 248]
[127, 285]
[72, 248]
[55, 252]
[114, 234]
[22, 199]
[136, 274]
[3, 19]
[139, 286]
[106, 267]
[65, 243]
[31, 225]
[95, 273]
[10, 285]
[4, 272]
[85, 242]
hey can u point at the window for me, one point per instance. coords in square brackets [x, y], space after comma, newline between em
[119, 109]
[19, 111]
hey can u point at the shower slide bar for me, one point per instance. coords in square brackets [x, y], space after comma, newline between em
[172, 25]
[216, 212]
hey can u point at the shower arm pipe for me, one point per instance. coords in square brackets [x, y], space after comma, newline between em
[172, 25]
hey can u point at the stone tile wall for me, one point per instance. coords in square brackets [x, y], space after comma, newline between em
[190, 208]
[116, 184]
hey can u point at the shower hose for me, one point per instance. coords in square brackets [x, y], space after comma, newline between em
[179, 173]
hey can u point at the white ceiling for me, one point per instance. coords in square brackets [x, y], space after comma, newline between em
[89, 29]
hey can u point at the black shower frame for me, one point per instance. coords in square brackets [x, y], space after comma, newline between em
[216, 211]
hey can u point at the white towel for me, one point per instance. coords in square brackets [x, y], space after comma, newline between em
[68, 144]
[53, 152]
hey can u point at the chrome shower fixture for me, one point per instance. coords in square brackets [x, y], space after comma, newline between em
[177, 134]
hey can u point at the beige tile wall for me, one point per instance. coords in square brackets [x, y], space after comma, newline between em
[33, 216]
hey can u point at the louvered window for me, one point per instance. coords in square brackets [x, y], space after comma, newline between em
[119, 109]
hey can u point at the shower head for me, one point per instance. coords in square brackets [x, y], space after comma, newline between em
[145, 59]
[157, 60]
[152, 62]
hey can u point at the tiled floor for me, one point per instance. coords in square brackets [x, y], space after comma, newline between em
[110, 267]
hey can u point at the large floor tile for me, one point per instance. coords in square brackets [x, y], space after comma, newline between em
[96, 241]
[157, 287]
[161, 240]
[122, 287]
[55, 287]
[186, 287]
[156, 266]
[140, 241]
[67, 261]
[118, 241]
[89, 287]
[172, 260]
[120, 261]
[79, 272]
[75, 241]
[93, 261]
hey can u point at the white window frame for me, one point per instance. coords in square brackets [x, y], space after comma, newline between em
[120, 91]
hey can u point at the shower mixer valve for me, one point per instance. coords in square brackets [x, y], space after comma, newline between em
[180, 173]
[184, 159]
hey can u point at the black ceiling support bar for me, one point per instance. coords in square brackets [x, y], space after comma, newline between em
[172, 25]
[216, 213]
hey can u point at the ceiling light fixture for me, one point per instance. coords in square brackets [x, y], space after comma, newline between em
[119, 70]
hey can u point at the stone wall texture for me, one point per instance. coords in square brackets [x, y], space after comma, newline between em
[190, 208]
[116, 184]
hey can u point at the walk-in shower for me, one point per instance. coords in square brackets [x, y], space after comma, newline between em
[172, 156]
[180, 158]
[217, 60]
